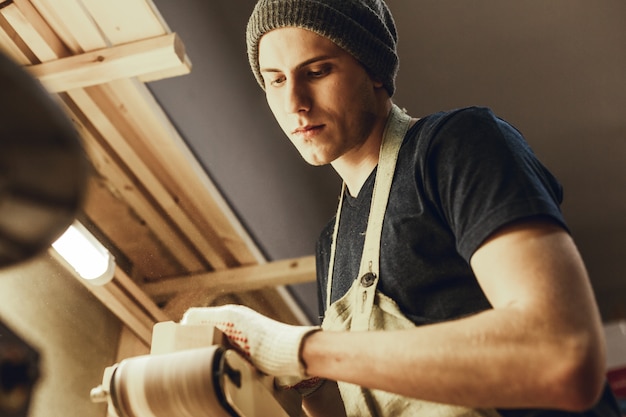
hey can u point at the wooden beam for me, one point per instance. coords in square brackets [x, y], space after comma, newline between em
[83, 32]
[105, 117]
[149, 56]
[72, 24]
[12, 45]
[33, 30]
[121, 306]
[272, 274]
[126, 20]
[41, 31]
[139, 297]
[159, 144]
[119, 178]
[125, 300]
[169, 157]
[109, 115]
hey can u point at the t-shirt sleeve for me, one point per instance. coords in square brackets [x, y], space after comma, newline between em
[481, 174]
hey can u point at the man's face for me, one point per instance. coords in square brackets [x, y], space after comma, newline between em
[321, 96]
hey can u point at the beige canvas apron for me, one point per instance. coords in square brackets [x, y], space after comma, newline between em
[364, 308]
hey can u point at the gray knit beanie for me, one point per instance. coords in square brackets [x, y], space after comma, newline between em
[364, 28]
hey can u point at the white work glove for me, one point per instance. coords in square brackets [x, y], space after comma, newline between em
[271, 346]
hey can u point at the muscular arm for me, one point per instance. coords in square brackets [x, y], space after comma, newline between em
[540, 346]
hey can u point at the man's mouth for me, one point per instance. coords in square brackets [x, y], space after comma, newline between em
[308, 130]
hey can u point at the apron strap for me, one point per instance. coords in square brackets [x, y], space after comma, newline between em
[395, 130]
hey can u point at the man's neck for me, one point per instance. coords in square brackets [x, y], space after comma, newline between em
[356, 166]
[355, 171]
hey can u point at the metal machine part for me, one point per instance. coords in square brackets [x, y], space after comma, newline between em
[214, 380]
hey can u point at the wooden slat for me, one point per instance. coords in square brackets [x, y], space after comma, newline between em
[72, 24]
[125, 185]
[34, 31]
[105, 117]
[194, 191]
[77, 28]
[109, 131]
[176, 71]
[126, 20]
[118, 303]
[272, 274]
[12, 45]
[129, 311]
[159, 140]
[100, 25]
[137, 248]
[165, 151]
[149, 56]
[139, 297]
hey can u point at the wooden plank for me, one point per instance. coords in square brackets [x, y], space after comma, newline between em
[158, 133]
[105, 116]
[107, 130]
[126, 186]
[175, 71]
[12, 45]
[166, 153]
[126, 20]
[147, 56]
[34, 31]
[137, 248]
[145, 19]
[78, 29]
[123, 308]
[159, 138]
[128, 305]
[272, 274]
[72, 24]
[274, 302]
[121, 311]
[140, 297]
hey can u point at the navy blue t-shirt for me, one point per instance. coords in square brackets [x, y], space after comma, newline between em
[460, 176]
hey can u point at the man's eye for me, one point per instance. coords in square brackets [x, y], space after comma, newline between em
[317, 73]
[276, 81]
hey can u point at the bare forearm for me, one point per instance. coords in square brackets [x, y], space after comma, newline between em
[487, 360]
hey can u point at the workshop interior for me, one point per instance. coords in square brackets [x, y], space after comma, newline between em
[136, 126]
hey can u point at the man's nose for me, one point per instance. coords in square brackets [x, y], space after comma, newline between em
[298, 98]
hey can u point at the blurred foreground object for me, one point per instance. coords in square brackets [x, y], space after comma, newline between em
[43, 174]
[43, 169]
[192, 370]
[19, 370]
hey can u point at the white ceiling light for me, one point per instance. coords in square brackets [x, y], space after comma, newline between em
[85, 254]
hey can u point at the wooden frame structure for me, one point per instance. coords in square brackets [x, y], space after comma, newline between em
[177, 242]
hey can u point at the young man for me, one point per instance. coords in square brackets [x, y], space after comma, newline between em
[449, 282]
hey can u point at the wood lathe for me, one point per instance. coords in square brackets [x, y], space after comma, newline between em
[192, 371]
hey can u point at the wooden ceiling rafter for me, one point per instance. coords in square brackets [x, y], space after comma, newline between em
[125, 185]
[98, 60]
[283, 272]
[149, 56]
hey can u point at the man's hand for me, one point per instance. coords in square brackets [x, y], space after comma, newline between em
[271, 346]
